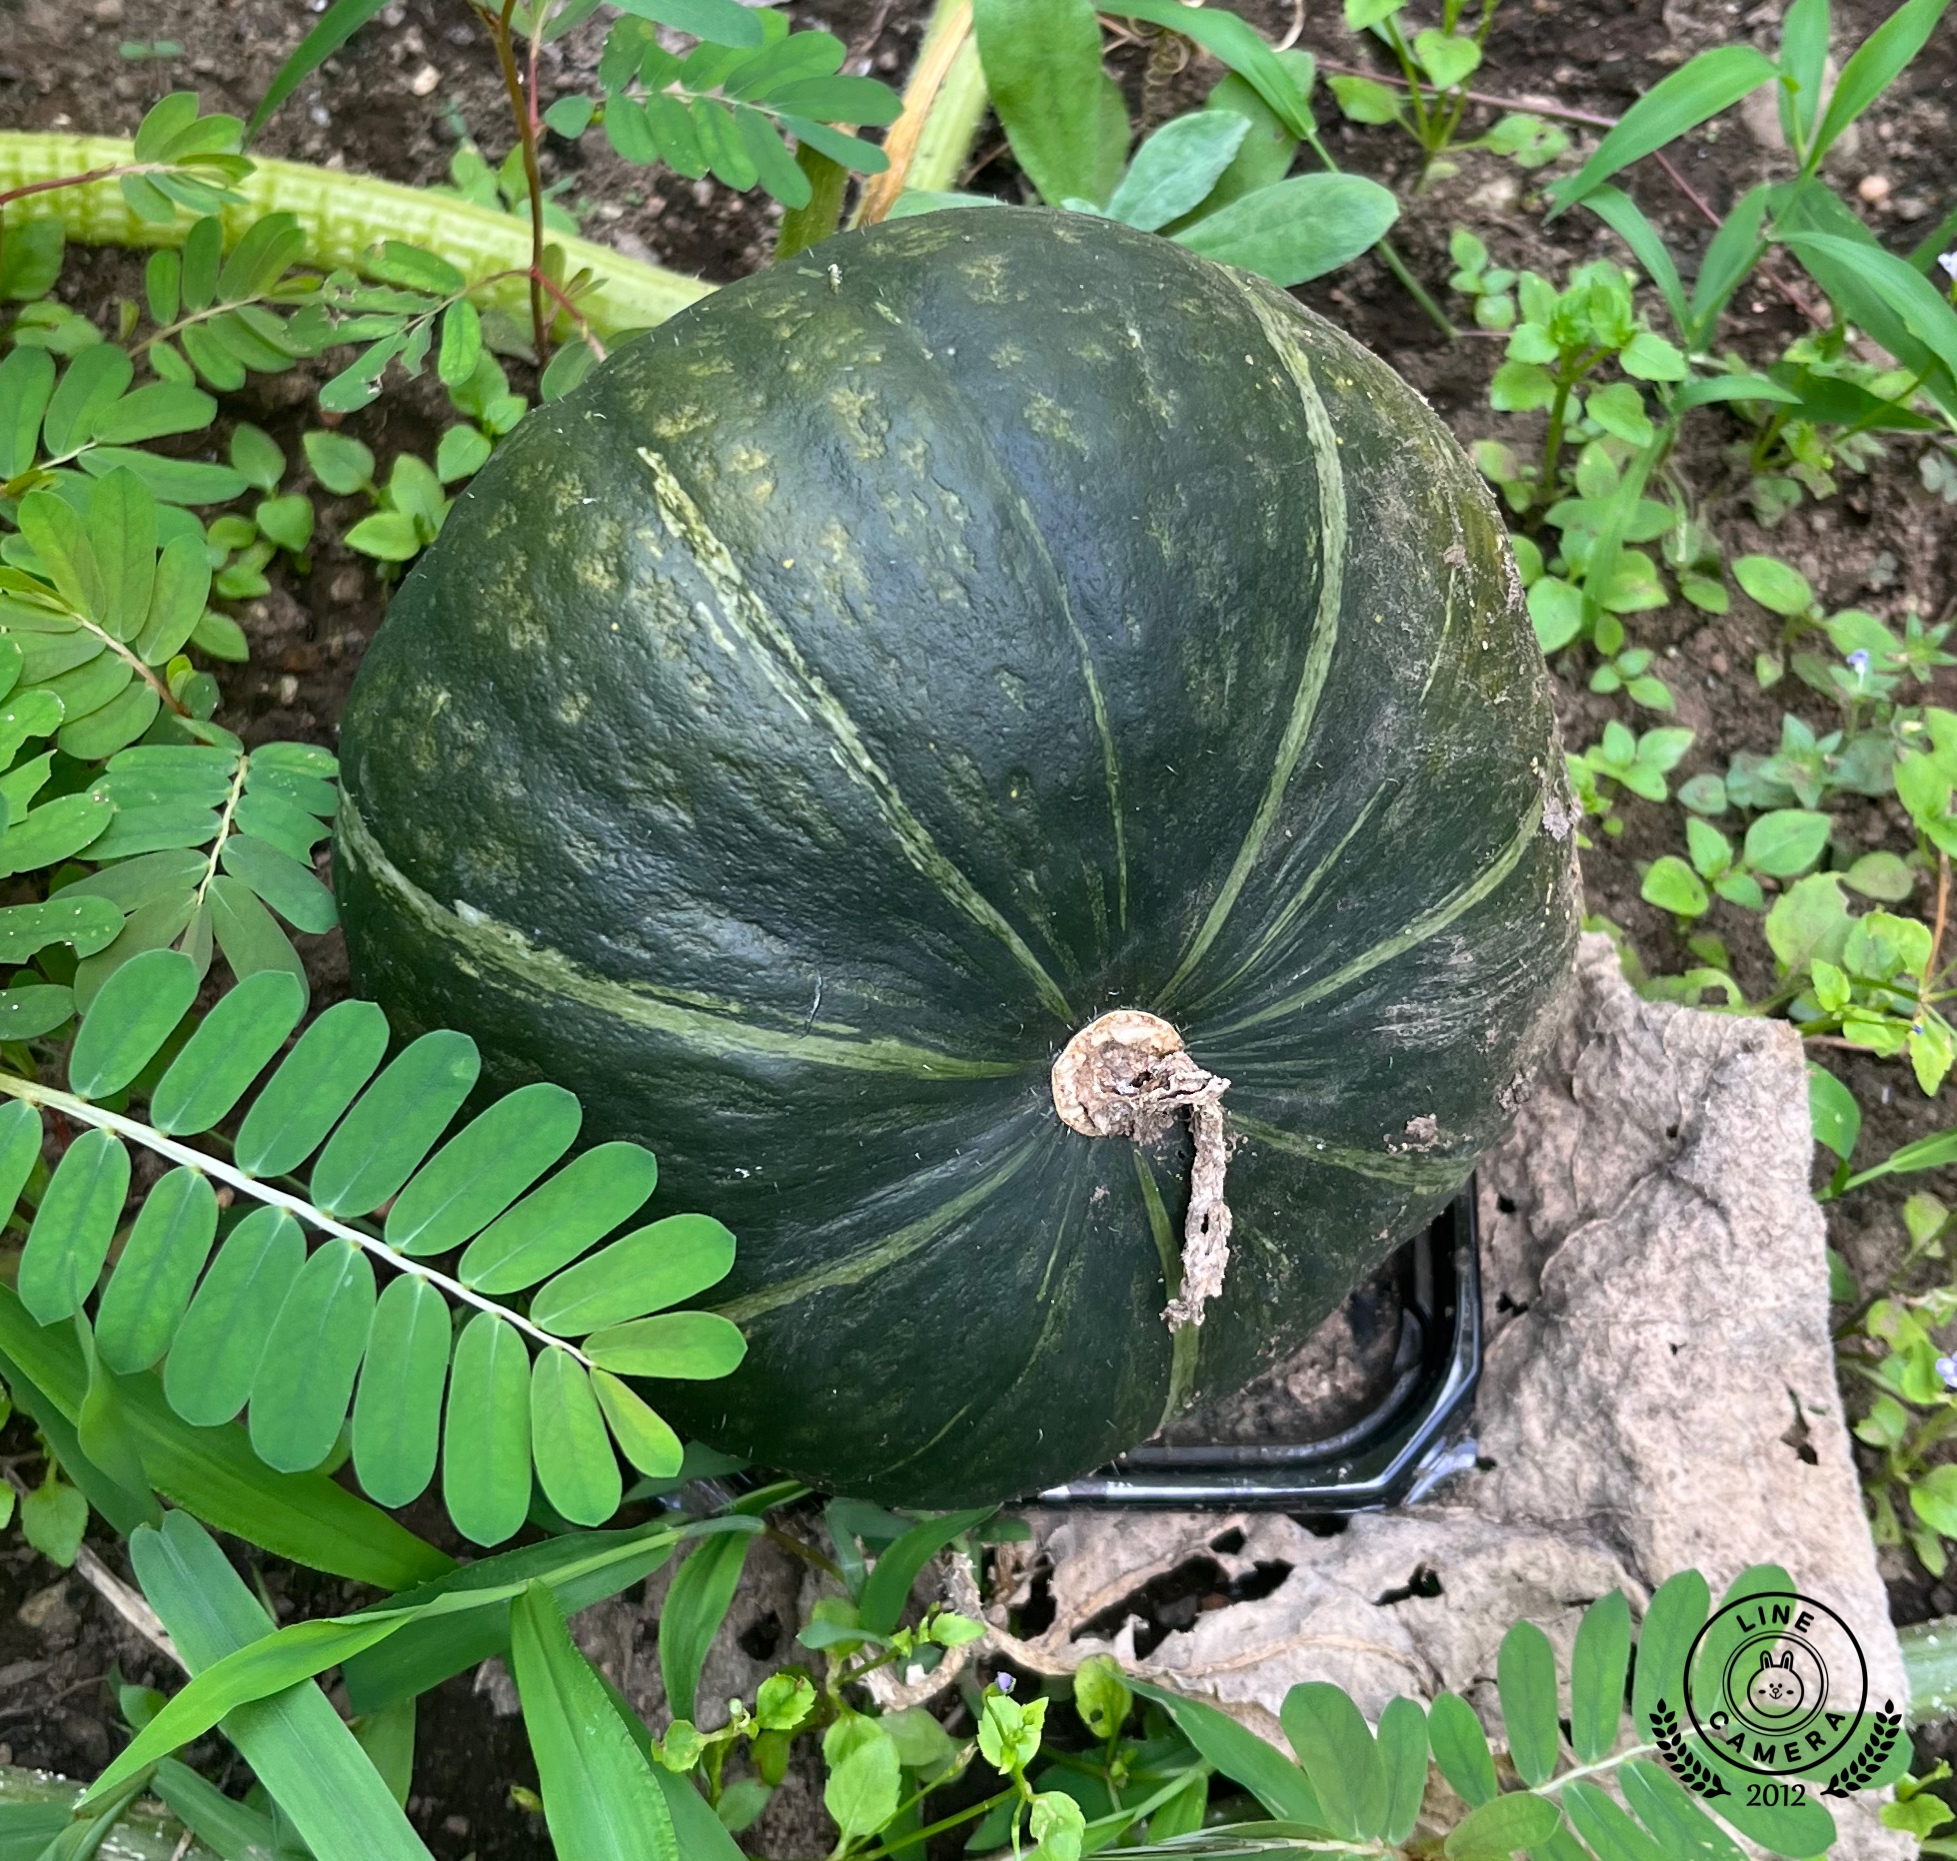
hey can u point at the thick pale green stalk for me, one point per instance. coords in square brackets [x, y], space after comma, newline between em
[1930, 1663]
[953, 125]
[344, 216]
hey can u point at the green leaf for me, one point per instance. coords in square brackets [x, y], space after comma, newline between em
[298, 1746]
[1922, 309]
[1042, 61]
[304, 1382]
[1526, 1678]
[122, 535]
[1403, 1761]
[575, 1463]
[1240, 1754]
[1461, 1749]
[1224, 35]
[779, 175]
[1597, 1670]
[1447, 58]
[281, 881]
[32, 1010]
[73, 1227]
[722, 22]
[1682, 1829]
[865, 1778]
[397, 1414]
[340, 463]
[383, 1139]
[648, 1269]
[214, 1359]
[1672, 885]
[1338, 1755]
[1875, 65]
[1833, 1112]
[1778, 586]
[387, 536]
[601, 1800]
[687, 1347]
[1175, 169]
[697, 1602]
[181, 587]
[26, 383]
[93, 382]
[245, 931]
[53, 1517]
[256, 455]
[1606, 1830]
[153, 411]
[1298, 229]
[1518, 1820]
[642, 1435]
[89, 924]
[1364, 100]
[461, 348]
[882, 1603]
[315, 1083]
[234, 1044]
[1676, 1614]
[153, 1280]
[483, 1169]
[486, 1434]
[337, 25]
[1787, 842]
[579, 1205]
[463, 451]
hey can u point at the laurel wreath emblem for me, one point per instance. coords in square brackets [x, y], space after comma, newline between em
[1888, 1728]
[1699, 1778]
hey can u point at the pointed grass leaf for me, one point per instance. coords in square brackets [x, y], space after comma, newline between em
[228, 1828]
[150, 1288]
[231, 1047]
[889, 1587]
[304, 1381]
[480, 1171]
[1337, 1753]
[575, 1463]
[1403, 1761]
[486, 1432]
[1461, 1749]
[315, 1083]
[21, 1136]
[1519, 1820]
[1597, 1669]
[1711, 82]
[601, 1800]
[74, 1226]
[680, 1347]
[1604, 1828]
[383, 1139]
[697, 1602]
[649, 1269]
[340, 22]
[642, 1434]
[1241, 1755]
[290, 888]
[214, 1358]
[134, 1013]
[1526, 1680]
[1676, 1613]
[1875, 65]
[397, 1415]
[550, 1227]
[1681, 1828]
[299, 1747]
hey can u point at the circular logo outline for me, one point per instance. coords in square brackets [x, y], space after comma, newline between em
[1774, 1635]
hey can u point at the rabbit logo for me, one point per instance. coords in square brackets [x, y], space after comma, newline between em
[1775, 1689]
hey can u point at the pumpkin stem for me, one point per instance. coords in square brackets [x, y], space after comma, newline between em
[1127, 1074]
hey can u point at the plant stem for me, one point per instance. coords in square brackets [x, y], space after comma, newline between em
[949, 44]
[523, 112]
[82, 1112]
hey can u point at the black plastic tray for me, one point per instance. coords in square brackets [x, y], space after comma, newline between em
[1411, 1442]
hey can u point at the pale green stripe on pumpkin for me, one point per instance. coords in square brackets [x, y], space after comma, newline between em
[343, 217]
[1110, 760]
[1426, 1175]
[1428, 924]
[1186, 1341]
[893, 1250]
[804, 689]
[482, 945]
[1325, 631]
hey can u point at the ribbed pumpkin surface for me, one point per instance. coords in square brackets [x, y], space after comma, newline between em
[893, 663]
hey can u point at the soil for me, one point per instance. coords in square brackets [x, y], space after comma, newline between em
[396, 101]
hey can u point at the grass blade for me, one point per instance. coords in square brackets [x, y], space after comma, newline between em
[890, 1582]
[297, 1744]
[600, 1797]
[1239, 1753]
[697, 1602]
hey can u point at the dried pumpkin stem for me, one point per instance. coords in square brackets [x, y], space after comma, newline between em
[1128, 1074]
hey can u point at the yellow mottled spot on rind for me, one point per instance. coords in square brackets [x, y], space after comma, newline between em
[863, 420]
[1052, 421]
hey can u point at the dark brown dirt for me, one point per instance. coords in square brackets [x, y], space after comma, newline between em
[396, 101]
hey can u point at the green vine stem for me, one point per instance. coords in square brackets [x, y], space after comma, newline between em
[344, 217]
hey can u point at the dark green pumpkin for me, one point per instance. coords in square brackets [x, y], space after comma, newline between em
[888, 666]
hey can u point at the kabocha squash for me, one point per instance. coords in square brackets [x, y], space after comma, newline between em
[996, 680]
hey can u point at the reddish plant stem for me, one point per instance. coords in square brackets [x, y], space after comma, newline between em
[520, 109]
